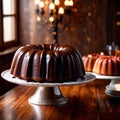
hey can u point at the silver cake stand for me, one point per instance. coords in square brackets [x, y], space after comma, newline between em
[46, 93]
[114, 79]
[109, 88]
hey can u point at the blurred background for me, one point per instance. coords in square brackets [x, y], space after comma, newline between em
[92, 27]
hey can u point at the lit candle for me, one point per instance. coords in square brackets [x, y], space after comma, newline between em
[51, 6]
[41, 4]
[57, 2]
[37, 2]
[61, 11]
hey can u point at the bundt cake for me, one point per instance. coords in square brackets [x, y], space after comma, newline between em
[47, 63]
[107, 65]
[89, 61]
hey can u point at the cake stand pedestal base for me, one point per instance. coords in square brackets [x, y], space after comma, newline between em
[114, 81]
[47, 93]
[111, 90]
[47, 96]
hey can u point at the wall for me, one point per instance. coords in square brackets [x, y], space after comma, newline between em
[87, 30]
[5, 64]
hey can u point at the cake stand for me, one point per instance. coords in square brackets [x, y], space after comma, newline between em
[109, 88]
[114, 79]
[46, 93]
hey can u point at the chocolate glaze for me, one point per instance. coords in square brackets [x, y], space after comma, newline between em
[47, 63]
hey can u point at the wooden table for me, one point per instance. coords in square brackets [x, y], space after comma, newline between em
[86, 102]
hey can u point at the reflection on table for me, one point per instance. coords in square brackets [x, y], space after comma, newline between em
[86, 101]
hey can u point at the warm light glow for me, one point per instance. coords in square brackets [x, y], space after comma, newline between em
[38, 18]
[118, 23]
[89, 14]
[57, 2]
[41, 4]
[66, 3]
[70, 3]
[89, 55]
[37, 2]
[118, 13]
[51, 19]
[9, 29]
[101, 53]
[55, 13]
[51, 6]
[61, 11]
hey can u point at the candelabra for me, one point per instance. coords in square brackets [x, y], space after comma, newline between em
[58, 14]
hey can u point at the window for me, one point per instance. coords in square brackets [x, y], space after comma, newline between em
[8, 23]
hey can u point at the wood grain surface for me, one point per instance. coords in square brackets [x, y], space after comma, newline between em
[85, 102]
